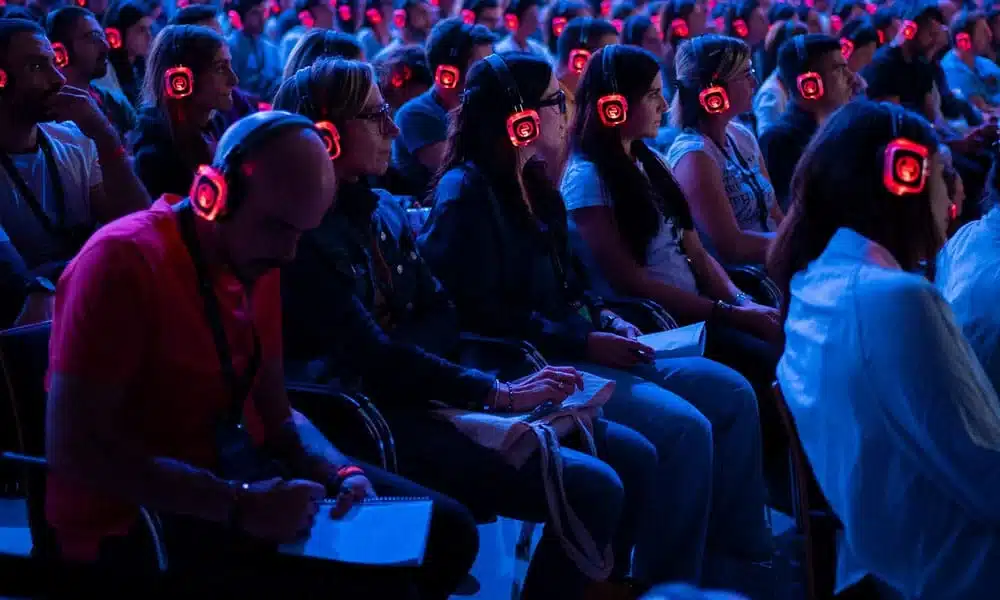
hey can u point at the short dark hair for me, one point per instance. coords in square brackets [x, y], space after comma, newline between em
[478, 6]
[412, 57]
[451, 42]
[965, 21]
[780, 12]
[921, 12]
[801, 54]
[843, 8]
[59, 23]
[634, 29]
[242, 7]
[11, 27]
[519, 7]
[583, 33]
[194, 14]
[860, 31]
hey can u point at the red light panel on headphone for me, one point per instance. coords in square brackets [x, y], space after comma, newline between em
[306, 18]
[871, 8]
[909, 30]
[208, 193]
[655, 20]
[905, 168]
[836, 23]
[179, 82]
[331, 138]
[679, 28]
[81, 3]
[61, 56]
[578, 59]
[264, 106]
[963, 42]
[558, 24]
[114, 38]
[447, 76]
[846, 48]
[881, 37]
[399, 18]
[183, 3]
[714, 100]
[400, 76]
[344, 12]
[952, 212]
[374, 16]
[523, 127]
[605, 8]
[617, 24]
[435, 3]
[3, 3]
[274, 7]
[235, 20]
[612, 110]
[740, 28]
[468, 16]
[3, 79]
[510, 21]
[720, 23]
[810, 85]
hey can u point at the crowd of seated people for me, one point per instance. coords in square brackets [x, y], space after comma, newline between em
[207, 205]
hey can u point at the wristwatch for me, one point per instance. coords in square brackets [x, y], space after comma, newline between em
[40, 285]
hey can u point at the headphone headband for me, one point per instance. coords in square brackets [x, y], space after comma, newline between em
[499, 66]
[265, 126]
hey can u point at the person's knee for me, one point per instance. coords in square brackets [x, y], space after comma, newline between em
[696, 437]
[454, 537]
[596, 493]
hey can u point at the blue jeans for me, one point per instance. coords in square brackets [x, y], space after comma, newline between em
[702, 418]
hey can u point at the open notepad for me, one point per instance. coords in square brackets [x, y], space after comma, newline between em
[388, 532]
[677, 343]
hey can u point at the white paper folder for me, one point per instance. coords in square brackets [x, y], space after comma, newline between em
[677, 343]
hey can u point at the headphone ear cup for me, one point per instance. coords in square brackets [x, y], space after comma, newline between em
[61, 55]
[810, 86]
[399, 18]
[612, 109]
[523, 127]
[447, 76]
[178, 82]
[3, 79]
[210, 193]
[331, 138]
[905, 167]
[714, 99]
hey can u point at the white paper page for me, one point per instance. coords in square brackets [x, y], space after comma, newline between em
[677, 343]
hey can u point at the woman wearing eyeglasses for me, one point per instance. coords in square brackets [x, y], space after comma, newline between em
[717, 161]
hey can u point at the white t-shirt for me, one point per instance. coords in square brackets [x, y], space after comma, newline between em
[742, 183]
[665, 260]
[79, 171]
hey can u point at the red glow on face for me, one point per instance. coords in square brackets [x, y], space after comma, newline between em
[344, 12]
[605, 8]
[235, 20]
[114, 38]
[61, 56]
[810, 86]
[905, 168]
[307, 20]
[909, 30]
[578, 59]
[399, 18]
[740, 28]
[679, 28]
[714, 100]
[179, 82]
[846, 48]
[374, 16]
[447, 76]
[468, 16]
[331, 138]
[558, 24]
[510, 21]
[401, 76]
[208, 193]
[836, 23]
[612, 109]
[523, 127]
[963, 42]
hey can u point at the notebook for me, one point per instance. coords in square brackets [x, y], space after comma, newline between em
[677, 343]
[388, 532]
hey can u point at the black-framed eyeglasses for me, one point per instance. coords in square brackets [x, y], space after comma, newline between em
[557, 99]
[381, 115]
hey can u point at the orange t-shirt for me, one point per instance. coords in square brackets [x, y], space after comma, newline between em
[128, 314]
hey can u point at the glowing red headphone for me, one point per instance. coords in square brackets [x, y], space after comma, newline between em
[655, 20]
[578, 57]
[328, 132]
[713, 99]
[3, 79]
[178, 81]
[344, 12]
[447, 76]
[307, 19]
[114, 38]
[963, 41]
[740, 28]
[399, 18]
[235, 20]
[881, 37]
[374, 16]
[523, 124]
[871, 8]
[909, 30]
[61, 55]
[679, 28]
[836, 23]
[468, 16]
[846, 48]
[558, 24]
[400, 76]
[511, 21]
[905, 165]
[612, 108]
[617, 24]
[183, 3]
[605, 8]
[809, 84]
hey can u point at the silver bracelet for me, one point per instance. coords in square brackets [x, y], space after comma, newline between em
[742, 298]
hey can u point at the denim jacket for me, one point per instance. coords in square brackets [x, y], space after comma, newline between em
[501, 269]
[377, 322]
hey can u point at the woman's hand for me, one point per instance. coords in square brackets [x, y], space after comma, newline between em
[551, 384]
[613, 350]
[762, 321]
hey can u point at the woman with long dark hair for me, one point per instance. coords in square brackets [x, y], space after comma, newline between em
[180, 120]
[898, 419]
[129, 28]
[498, 239]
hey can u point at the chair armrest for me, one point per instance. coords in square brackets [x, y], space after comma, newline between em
[25, 460]
[645, 314]
[754, 281]
[529, 353]
[316, 400]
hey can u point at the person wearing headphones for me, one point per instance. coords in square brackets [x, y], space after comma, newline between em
[581, 38]
[361, 305]
[897, 417]
[522, 18]
[64, 172]
[403, 75]
[717, 161]
[167, 335]
[255, 60]
[772, 97]
[488, 13]
[130, 27]
[83, 55]
[304, 16]
[965, 67]
[452, 49]
[377, 32]
[189, 82]
[414, 20]
[859, 42]
[321, 43]
[632, 229]
[814, 68]
[557, 16]
[498, 239]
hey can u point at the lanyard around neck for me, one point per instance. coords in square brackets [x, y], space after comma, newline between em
[57, 228]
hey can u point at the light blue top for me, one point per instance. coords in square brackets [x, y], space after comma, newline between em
[982, 81]
[900, 424]
[968, 275]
